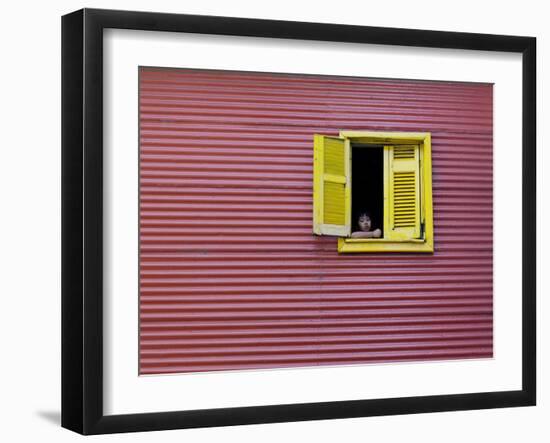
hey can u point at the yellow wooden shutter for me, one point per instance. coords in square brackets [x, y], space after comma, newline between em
[404, 193]
[331, 186]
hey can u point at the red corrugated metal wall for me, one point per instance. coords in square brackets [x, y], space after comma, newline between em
[231, 276]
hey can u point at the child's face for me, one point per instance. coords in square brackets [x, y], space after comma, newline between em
[364, 223]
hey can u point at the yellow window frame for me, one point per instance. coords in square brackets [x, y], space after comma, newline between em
[395, 243]
[390, 139]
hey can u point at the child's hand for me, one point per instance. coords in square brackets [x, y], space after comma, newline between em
[367, 234]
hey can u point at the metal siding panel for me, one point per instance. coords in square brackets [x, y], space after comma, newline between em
[231, 276]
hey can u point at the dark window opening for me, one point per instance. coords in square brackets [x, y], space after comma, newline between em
[367, 187]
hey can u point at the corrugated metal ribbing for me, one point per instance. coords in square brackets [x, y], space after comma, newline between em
[231, 276]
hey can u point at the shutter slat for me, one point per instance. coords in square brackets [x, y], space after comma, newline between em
[404, 207]
[330, 184]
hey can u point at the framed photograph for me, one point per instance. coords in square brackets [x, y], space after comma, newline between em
[269, 221]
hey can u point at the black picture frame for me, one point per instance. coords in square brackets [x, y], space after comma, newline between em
[82, 215]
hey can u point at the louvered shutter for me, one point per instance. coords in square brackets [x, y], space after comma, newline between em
[404, 193]
[331, 186]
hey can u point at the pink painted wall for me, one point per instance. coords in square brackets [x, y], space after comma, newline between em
[231, 276]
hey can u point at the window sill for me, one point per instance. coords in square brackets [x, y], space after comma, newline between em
[355, 245]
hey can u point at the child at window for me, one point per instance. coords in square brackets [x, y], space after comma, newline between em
[364, 222]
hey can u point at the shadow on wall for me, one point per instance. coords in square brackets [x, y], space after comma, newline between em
[54, 417]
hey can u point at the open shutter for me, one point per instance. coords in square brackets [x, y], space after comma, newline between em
[404, 192]
[331, 186]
